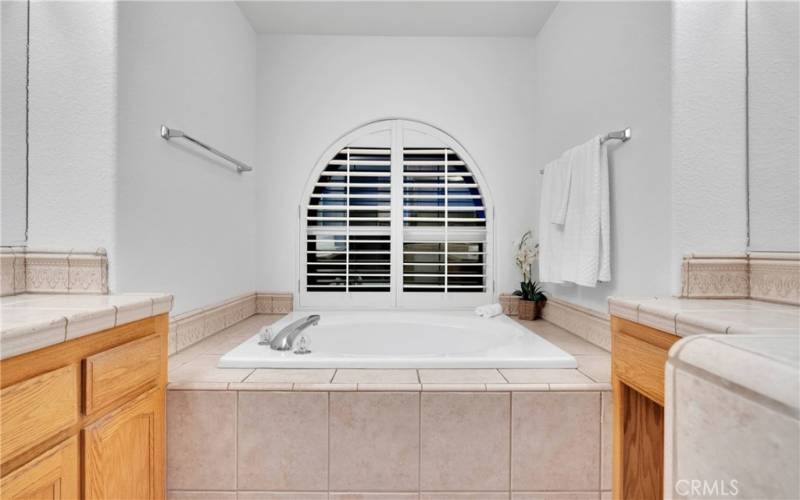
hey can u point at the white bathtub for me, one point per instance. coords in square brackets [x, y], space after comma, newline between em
[406, 339]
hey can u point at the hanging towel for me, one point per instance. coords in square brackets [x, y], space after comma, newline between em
[551, 236]
[586, 255]
[559, 196]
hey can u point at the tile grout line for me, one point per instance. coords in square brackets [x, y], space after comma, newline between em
[329, 445]
[419, 446]
[236, 442]
[510, 438]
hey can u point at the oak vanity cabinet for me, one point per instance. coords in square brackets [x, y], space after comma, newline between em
[85, 418]
[638, 360]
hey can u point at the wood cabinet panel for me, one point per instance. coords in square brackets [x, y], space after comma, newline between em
[124, 451]
[54, 475]
[638, 361]
[639, 357]
[122, 372]
[38, 408]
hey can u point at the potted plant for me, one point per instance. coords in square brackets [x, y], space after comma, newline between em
[532, 297]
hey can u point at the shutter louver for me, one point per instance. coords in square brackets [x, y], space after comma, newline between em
[348, 221]
[444, 224]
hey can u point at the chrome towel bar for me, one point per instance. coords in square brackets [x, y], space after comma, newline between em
[616, 135]
[169, 133]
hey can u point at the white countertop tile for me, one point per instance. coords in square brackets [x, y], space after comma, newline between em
[33, 321]
[698, 316]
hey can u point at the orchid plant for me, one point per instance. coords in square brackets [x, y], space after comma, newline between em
[526, 256]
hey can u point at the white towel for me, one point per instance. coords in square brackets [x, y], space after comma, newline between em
[489, 310]
[586, 236]
[561, 172]
[551, 236]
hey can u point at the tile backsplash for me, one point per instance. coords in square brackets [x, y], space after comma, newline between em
[51, 271]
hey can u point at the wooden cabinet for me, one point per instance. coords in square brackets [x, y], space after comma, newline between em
[638, 360]
[86, 418]
[132, 435]
[51, 476]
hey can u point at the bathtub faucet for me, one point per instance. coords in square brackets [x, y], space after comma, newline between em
[284, 340]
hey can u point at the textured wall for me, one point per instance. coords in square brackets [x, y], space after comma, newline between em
[313, 89]
[774, 103]
[72, 134]
[14, 18]
[709, 209]
[185, 219]
[600, 67]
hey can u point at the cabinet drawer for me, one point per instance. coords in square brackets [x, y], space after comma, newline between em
[53, 475]
[122, 372]
[639, 356]
[38, 408]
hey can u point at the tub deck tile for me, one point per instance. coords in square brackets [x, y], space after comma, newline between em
[461, 376]
[197, 364]
[369, 376]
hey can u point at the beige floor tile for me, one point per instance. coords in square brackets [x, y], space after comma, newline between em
[598, 368]
[544, 376]
[374, 496]
[291, 375]
[606, 436]
[555, 495]
[556, 440]
[465, 441]
[348, 376]
[483, 495]
[201, 495]
[460, 376]
[201, 440]
[605, 495]
[282, 495]
[283, 441]
[374, 441]
[204, 369]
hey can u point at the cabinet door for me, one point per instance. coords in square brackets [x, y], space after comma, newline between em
[124, 451]
[53, 475]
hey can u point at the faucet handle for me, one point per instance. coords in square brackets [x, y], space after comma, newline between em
[303, 344]
[265, 336]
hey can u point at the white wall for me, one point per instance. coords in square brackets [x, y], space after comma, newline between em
[313, 89]
[185, 220]
[599, 67]
[774, 104]
[13, 122]
[709, 208]
[72, 125]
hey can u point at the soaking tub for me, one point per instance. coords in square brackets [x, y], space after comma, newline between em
[405, 339]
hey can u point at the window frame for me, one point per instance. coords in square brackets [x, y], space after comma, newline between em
[396, 298]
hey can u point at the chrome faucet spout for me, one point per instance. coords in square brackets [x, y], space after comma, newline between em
[284, 340]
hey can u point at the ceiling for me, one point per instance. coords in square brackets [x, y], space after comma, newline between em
[398, 18]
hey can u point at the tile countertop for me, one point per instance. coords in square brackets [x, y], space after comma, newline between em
[685, 317]
[33, 321]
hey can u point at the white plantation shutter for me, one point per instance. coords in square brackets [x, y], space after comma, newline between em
[348, 220]
[394, 219]
[444, 224]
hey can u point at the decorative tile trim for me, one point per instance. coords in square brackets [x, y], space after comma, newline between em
[768, 276]
[193, 326]
[26, 270]
[274, 303]
[590, 325]
[720, 277]
[775, 279]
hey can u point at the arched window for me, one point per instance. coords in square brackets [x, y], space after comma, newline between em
[395, 216]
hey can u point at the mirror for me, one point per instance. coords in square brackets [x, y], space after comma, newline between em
[14, 126]
[773, 103]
